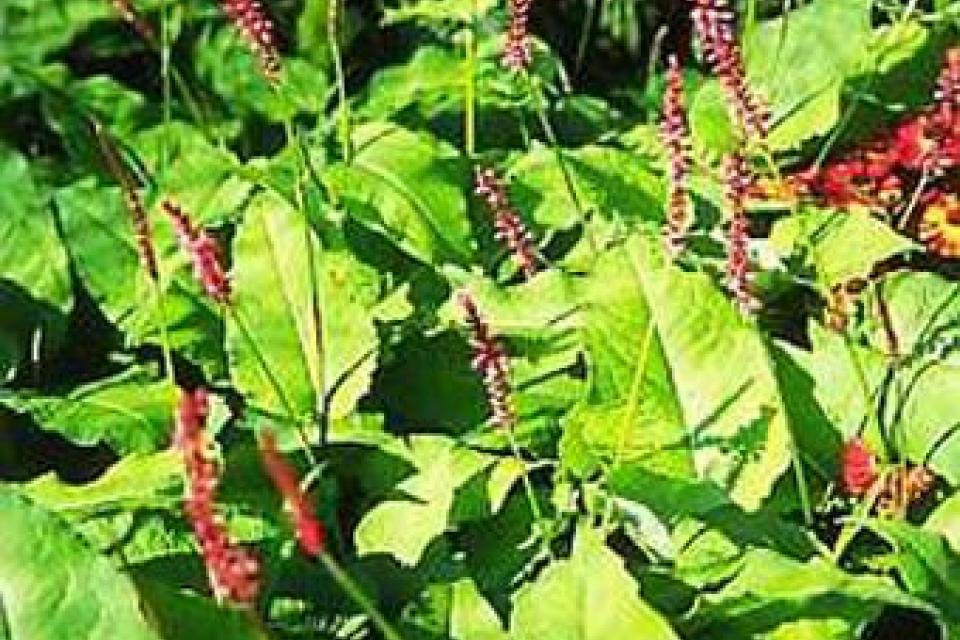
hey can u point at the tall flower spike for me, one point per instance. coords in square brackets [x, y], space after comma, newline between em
[713, 22]
[738, 258]
[233, 571]
[858, 468]
[310, 531]
[251, 20]
[508, 227]
[490, 361]
[131, 196]
[517, 52]
[203, 252]
[675, 132]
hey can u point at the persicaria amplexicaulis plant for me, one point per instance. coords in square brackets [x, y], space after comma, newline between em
[518, 52]
[203, 251]
[491, 362]
[257, 29]
[233, 571]
[675, 132]
[738, 277]
[310, 531]
[713, 22]
[508, 227]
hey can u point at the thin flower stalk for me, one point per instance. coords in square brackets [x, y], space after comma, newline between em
[203, 251]
[129, 15]
[233, 571]
[675, 133]
[713, 22]
[518, 51]
[310, 531]
[257, 29]
[738, 257]
[509, 228]
[491, 363]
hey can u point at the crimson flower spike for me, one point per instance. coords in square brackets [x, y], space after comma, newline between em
[203, 252]
[738, 258]
[517, 52]
[310, 531]
[131, 196]
[508, 227]
[858, 468]
[713, 22]
[250, 19]
[490, 361]
[233, 571]
[675, 132]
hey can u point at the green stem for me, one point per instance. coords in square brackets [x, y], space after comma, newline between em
[161, 311]
[165, 46]
[353, 590]
[528, 489]
[470, 92]
[343, 108]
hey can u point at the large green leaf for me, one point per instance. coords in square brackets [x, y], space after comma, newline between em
[132, 411]
[409, 187]
[52, 586]
[588, 596]
[35, 290]
[98, 231]
[775, 597]
[301, 332]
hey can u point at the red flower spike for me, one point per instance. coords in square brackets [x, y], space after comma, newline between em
[490, 361]
[233, 571]
[509, 228]
[858, 468]
[738, 184]
[251, 20]
[713, 21]
[675, 133]
[310, 531]
[517, 52]
[203, 252]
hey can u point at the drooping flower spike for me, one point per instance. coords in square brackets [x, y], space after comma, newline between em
[233, 571]
[508, 227]
[738, 257]
[134, 203]
[675, 133]
[310, 531]
[713, 22]
[251, 20]
[491, 363]
[518, 52]
[203, 252]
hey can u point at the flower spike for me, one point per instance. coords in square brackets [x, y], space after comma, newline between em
[518, 53]
[203, 252]
[251, 20]
[490, 361]
[508, 226]
[234, 572]
[738, 258]
[675, 132]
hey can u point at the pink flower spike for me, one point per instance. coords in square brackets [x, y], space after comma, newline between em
[251, 20]
[490, 361]
[713, 21]
[310, 531]
[675, 133]
[947, 93]
[858, 468]
[517, 52]
[233, 571]
[203, 252]
[509, 228]
[738, 257]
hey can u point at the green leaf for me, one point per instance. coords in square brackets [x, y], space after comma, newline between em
[472, 617]
[131, 412]
[35, 286]
[300, 333]
[410, 188]
[179, 614]
[775, 597]
[52, 586]
[945, 521]
[836, 246]
[98, 232]
[588, 596]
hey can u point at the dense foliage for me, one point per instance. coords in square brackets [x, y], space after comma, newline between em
[477, 320]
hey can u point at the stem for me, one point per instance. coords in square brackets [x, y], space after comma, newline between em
[470, 93]
[528, 490]
[161, 311]
[353, 590]
[165, 78]
[343, 109]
